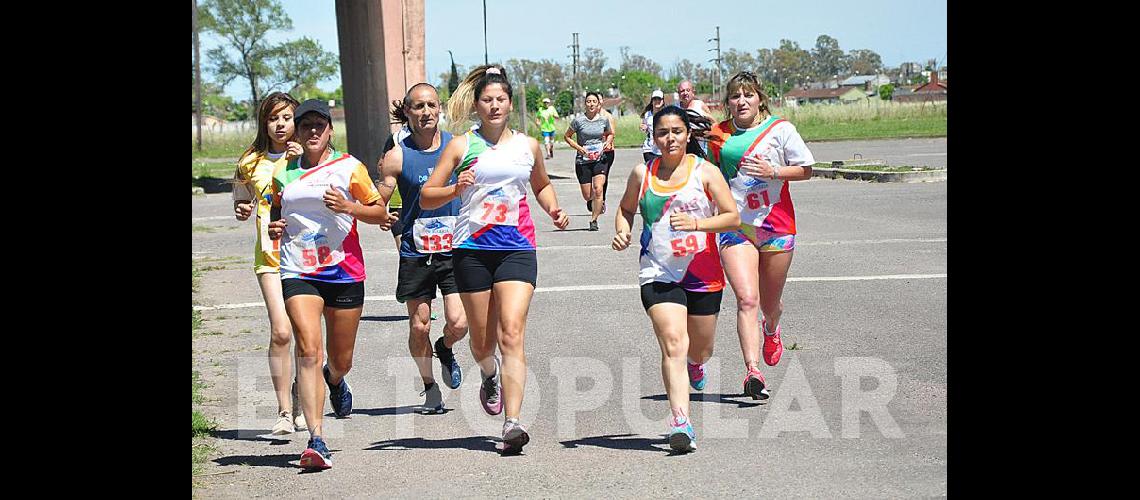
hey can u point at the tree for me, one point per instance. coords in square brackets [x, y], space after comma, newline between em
[564, 102]
[827, 58]
[683, 70]
[243, 25]
[522, 71]
[533, 98]
[637, 86]
[551, 75]
[301, 63]
[453, 79]
[865, 62]
[637, 62]
[791, 65]
[734, 61]
[886, 91]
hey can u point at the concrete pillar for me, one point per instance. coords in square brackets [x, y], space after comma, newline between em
[381, 54]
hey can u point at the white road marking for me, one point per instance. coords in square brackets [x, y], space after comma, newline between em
[591, 288]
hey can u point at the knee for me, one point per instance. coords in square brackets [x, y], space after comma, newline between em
[281, 337]
[747, 301]
[773, 307]
[674, 344]
[457, 325]
[340, 363]
[309, 352]
[419, 330]
[511, 337]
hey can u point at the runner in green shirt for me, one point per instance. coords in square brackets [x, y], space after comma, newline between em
[545, 121]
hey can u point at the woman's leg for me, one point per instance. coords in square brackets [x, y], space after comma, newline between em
[773, 275]
[305, 315]
[280, 334]
[342, 324]
[477, 306]
[598, 195]
[702, 332]
[740, 266]
[512, 303]
[670, 323]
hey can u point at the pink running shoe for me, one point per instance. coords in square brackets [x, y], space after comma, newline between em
[491, 392]
[773, 346]
[696, 376]
[754, 385]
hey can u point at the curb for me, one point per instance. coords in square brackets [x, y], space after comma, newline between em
[865, 175]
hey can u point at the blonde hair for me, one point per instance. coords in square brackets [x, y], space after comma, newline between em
[748, 80]
[462, 101]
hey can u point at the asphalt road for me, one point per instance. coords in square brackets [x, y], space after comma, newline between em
[865, 307]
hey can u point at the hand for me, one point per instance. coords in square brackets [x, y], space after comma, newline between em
[609, 146]
[561, 220]
[336, 201]
[465, 179]
[387, 225]
[621, 241]
[276, 229]
[643, 127]
[755, 166]
[293, 150]
[680, 221]
[242, 210]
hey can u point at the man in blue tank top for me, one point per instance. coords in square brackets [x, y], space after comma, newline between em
[425, 242]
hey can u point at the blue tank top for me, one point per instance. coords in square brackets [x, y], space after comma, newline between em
[418, 166]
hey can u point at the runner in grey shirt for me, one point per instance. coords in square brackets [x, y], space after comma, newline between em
[595, 146]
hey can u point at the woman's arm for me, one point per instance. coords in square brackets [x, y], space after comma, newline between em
[627, 208]
[727, 218]
[569, 137]
[543, 190]
[435, 192]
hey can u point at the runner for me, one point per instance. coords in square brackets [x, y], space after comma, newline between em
[649, 149]
[758, 153]
[317, 200]
[595, 154]
[688, 100]
[544, 119]
[683, 201]
[272, 147]
[496, 267]
[425, 245]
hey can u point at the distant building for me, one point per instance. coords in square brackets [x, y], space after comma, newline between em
[841, 95]
[934, 90]
[869, 83]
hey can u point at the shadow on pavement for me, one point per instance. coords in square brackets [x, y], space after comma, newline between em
[384, 318]
[396, 410]
[710, 398]
[282, 460]
[474, 443]
[252, 435]
[611, 442]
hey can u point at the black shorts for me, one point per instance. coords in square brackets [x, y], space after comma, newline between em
[479, 270]
[698, 303]
[338, 295]
[420, 276]
[587, 171]
[648, 156]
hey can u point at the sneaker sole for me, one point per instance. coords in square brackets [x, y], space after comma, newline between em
[310, 459]
[514, 444]
[681, 442]
[755, 388]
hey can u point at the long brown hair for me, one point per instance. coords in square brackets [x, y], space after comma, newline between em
[260, 144]
[462, 101]
[746, 79]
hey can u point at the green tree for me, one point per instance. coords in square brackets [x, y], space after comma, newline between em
[453, 80]
[243, 25]
[301, 63]
[637, 86]
[865, 62]
[564, 102]
[827, 58]
[886, 91]
[533, 98]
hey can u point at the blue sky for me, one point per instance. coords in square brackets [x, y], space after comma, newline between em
[665, 31]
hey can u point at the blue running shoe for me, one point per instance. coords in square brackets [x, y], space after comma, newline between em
[339, 395]
[448, 367]
[696, 376]
[682, 439]
[316, 455]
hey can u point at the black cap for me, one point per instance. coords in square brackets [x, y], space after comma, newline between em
[312, 106]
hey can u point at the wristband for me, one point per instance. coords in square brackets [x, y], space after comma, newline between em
[775, 172]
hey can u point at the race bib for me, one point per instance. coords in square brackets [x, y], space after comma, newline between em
[676, 249]
[498, 207]
[593, 151]
[433, 234]
[755, 197]
[311, 250]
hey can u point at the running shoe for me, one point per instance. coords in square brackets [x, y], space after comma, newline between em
[696, 376]
[491, 392]
[434, 401]
[593, 225]
[284, 424]
[514, 436]
[340, 395]
[299, 423]
[754, 385]
[448, 367]
[682, 439]
[316, 455]
[773, 346]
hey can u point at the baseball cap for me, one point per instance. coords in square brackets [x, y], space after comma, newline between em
[317, 106]
[545, 99]
[657, 93]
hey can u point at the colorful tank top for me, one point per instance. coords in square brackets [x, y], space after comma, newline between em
[319, 244]
[763, 203]
[688, 258]
[493, 213]
[424, 231]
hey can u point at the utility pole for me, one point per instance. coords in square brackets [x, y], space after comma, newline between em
[719, 76]
[197, 79]
[574, 56]
[485, 32]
